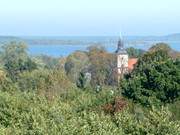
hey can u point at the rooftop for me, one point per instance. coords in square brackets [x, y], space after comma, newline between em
[131, 63]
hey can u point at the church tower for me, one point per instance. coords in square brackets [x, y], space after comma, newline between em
[122, 59]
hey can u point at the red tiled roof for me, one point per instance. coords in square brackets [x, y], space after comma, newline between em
[131, 63]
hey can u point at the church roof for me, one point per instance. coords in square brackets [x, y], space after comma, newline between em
[131, 63]
[121, 49]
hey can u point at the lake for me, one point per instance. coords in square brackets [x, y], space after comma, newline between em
[66, 49]
[63, 46]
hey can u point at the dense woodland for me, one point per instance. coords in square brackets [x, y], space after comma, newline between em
[80, 95]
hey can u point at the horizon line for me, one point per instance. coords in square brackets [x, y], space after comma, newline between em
[87, 35]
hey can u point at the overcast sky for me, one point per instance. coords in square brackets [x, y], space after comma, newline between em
[89, 17]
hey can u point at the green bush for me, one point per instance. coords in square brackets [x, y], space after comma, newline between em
[48, 82]
[155, 80]
[157, 122]
[27, 113]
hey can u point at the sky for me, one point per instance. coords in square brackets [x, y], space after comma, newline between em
[89, 17]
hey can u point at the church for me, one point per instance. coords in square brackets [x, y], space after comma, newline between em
[124, 63]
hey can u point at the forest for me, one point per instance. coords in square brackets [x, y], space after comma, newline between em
[80, 95]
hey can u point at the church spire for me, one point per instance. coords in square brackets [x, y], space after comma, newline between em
[120, 43]
[120, 47]
[122, 59]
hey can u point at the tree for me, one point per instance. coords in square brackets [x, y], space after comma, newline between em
[50, 83]
[155, 79]
[16, 59]
[75, 63]
[134, 53]
[48, 62]
[165, 47]
[81, 82]
[160, 46]
[102, 65]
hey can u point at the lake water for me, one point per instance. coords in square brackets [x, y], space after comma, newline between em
[64, 50]
[66, 45]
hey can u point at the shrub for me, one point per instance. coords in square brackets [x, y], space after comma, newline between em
[45, 82]
[116, 106]
[156, 122]
[28, 113]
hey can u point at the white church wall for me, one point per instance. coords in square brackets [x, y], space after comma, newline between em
[122, 63]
